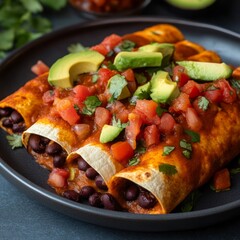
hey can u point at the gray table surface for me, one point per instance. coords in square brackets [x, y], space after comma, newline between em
[23, 218]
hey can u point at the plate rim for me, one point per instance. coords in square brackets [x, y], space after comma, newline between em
[13, 176]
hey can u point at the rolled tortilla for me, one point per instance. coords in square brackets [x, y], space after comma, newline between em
[55, 129]
[27, 100]
[218, 145]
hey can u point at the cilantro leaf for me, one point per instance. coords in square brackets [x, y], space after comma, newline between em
[116, 85]
[118, 123]
[234, 171]
[91, 103]
[167, 169]
[190, 201]
[203, 103]
[33, 6]
[7, 39]
[15, 141]
[77, 47]
[186, 153]
[167, 150]
[195, 137]
[126, 45]
[184, 144]
[236, 85]
[160, 110]
[55, 5]
[134, 161]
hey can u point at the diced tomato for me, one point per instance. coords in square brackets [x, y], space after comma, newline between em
[191, 88]
[180, 75]
[215, 95]
[111, 41]
[181, 103]
[101, 49]
[122, 152]
[151, 135]
[104, 74]
[221, 180]
[133, 129]
[67, 111]
[48, 97]
[229, 94]
[193, 120]
[39, 68]
[119, 110]
[167, 123]
[129, 75]
[81, 93]
[147, 107]
[102, 116]
[82, 130]
[58, 178]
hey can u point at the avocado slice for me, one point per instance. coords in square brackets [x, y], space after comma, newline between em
[142, 89]
[109, 133]
[66, 69]
[206, 71]
[163, 89]
[166, 49]
[125, 60]
[191, 4]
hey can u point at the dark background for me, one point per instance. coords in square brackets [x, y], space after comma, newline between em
[23, 218]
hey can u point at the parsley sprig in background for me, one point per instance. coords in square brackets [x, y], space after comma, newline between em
[22, 21]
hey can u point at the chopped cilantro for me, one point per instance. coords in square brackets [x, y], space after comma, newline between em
[190, 201]
[167, 150]
[15, 141]
[111, 66]
[186, 153]
[160, 110]
[95, 78]
[143, 95]
[77, 47]
[126, 45]
[140, 148]
[76, 107]
[234, 171]
[116, 85]
[203, 103]
[91, 103]
[118, 123]
[167, 169]
[134, 161]
[184, 144]
[236, 85]
[195, 137]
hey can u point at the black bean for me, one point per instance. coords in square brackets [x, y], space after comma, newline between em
[5, 112]
[45, 140]
[146, 200]
[72, 195]
[131, 192]
[53, 149]
[91, 173]
[16, 117]
[109, 202]
[82, 164]
[59, 160]
[95, 200]
[18, 127]
[100, 183]
[36, 144]
[7, 123]
[86, 192]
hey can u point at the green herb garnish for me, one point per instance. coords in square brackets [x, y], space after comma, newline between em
[95, 78]
[78, 47]
[134, 161]
[91, 103]
[118, 123]
[116, 85]
[167, 150]
[195, 137]
[160, 110]
[184, 144]
[167, 169]
[15, 140]
[21, 21]
[234, 171]
[126, 45]
[190, 201]
[203, 103]
[235, 84]
[186, 153]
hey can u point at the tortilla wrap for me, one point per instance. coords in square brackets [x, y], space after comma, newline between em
[27, 100]
[218, 145]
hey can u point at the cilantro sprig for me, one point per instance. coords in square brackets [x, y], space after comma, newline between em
[91, 103]
[15, 141]
[21, 21]
[167, 169]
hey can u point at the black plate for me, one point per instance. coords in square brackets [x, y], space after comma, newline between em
[20, 169]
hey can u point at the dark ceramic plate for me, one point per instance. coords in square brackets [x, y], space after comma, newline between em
[20, 169]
